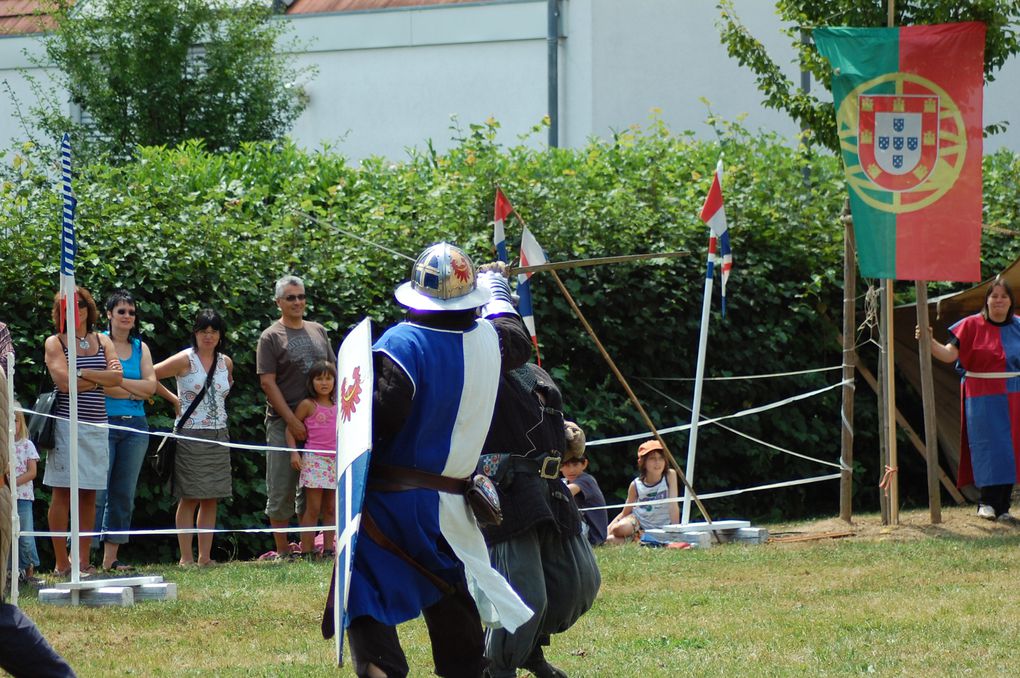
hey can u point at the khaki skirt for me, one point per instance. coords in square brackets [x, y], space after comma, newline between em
[202, 469]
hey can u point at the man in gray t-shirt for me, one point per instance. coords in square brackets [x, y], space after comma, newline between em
[286, 351]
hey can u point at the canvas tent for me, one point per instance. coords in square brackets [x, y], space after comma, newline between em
[942, 312]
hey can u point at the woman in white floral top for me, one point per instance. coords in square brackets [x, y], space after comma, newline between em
[201, 469]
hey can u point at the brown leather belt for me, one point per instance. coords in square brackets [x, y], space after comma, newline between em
[387, 478]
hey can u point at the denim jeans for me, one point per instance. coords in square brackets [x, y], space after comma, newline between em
[127, 454]
[27, 555]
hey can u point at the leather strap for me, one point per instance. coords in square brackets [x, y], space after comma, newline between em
[387, 478]
[375, 534]
[201, 394]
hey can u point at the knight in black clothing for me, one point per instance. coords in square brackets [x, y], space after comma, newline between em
[539, 546]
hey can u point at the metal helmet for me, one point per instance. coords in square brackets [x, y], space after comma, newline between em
[442, 279]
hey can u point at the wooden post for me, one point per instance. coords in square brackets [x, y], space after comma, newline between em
[928, 399]
[883, 430]
[849, 361]
[890, 474]
[915, 439]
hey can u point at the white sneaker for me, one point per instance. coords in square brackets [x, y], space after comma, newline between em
[985, 511]
[1006, 518]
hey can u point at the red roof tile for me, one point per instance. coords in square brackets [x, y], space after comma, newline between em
[20, 17]
[324, 6]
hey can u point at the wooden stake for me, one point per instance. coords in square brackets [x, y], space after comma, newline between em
[597, 261]
[630, 394]
[928, 399]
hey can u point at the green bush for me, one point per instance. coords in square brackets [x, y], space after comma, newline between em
[185, 228]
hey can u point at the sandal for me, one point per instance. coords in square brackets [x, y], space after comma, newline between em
[117, 566]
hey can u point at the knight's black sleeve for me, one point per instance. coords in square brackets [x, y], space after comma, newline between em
[391, 399]
[514, 340]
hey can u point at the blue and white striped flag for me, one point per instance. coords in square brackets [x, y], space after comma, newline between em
[68, 242]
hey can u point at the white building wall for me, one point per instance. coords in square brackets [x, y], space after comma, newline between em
[388, 80]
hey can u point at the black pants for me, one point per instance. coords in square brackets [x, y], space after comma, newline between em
[455, 630]
[998, 497]
[24, 651]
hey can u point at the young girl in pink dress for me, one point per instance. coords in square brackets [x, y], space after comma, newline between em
[318, 471]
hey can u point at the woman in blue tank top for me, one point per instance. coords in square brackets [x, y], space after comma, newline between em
[124, 408]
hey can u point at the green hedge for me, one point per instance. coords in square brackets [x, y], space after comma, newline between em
[185, 229]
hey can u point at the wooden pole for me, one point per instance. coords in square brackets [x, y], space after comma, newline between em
[630, 394]
[928, 399]
[883, 395]
[849, 361]
[891, 473]
[597, 261]
[915, 439]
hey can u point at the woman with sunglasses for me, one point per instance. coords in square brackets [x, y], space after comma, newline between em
[125, 408]
[97, 368]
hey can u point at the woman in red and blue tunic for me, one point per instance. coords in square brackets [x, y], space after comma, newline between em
[987, 348]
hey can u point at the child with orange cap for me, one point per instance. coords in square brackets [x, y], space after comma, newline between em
[654, 482]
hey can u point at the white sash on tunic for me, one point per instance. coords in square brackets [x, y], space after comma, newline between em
[498, 604]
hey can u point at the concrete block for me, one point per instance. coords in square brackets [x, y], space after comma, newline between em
[108, 596]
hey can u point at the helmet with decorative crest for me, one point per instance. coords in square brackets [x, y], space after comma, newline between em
[442, 279]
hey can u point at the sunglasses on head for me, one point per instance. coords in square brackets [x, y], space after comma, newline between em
[294, 297]
[126, 311]
[82, 303]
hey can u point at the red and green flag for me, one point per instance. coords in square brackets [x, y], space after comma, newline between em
[909, 115]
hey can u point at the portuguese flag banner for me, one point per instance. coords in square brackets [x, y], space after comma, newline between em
[909, 116]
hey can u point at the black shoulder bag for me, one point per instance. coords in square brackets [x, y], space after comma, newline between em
[166, 454]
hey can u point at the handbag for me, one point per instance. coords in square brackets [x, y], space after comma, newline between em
[42, 429]
[165, 457]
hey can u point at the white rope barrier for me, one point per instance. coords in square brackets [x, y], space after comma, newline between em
[170, 434]
[725, 493]
[190, 530]
[644, 435]
[749, 377]
[839, 464]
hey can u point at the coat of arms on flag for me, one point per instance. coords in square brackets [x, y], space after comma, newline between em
[898, 139]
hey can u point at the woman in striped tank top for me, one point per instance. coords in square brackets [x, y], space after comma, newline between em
[97, 366]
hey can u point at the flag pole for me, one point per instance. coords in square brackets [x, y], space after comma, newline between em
[699, 378]
[68, 251]
[626, 387]
[12, 474]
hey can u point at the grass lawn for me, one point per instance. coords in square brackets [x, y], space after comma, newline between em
[939, 603]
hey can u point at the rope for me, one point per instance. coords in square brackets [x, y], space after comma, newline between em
[839, 465]
[170, 434]
[887, 478]
[644, 435]
[747, 376]
[725, 493]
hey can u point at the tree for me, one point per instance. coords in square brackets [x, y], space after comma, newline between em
[162, 71]
[1000, 16]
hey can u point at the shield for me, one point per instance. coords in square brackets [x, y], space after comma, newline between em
[898, 139]
[354, 442]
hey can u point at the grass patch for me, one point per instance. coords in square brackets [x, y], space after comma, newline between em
[929, 606]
